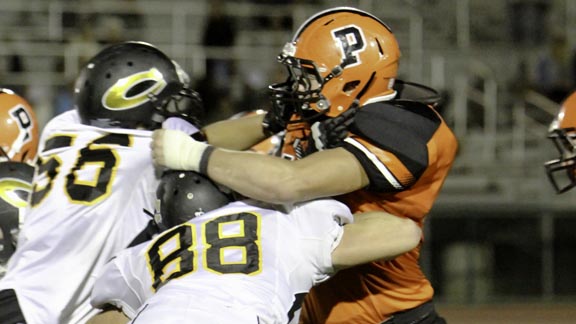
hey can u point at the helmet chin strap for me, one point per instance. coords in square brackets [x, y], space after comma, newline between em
[338, 69]
[323, 103]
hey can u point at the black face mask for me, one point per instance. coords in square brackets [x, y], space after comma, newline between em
[562, 171]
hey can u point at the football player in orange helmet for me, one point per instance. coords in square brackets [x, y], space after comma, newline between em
[19, 136]
[18, 146]
[354, 132]
[562, 131]
[336, 58]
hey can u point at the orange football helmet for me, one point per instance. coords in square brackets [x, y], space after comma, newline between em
[338, 57]
[562, 131]
[19, 135]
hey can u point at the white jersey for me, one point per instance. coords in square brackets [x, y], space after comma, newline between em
[239, 261]
[89, 192]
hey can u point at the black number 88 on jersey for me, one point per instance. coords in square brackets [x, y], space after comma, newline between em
[223, 245]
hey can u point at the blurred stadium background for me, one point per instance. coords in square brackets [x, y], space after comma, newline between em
[500, 243]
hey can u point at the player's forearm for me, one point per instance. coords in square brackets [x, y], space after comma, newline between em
[375, 236]
[251, 174]
[271, 179]
[254, 175]
[237, 134]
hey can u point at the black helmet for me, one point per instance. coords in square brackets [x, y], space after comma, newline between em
[15, 188]
[183, 195]
[133, 84]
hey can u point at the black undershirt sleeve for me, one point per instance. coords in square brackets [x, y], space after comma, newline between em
[403, 129]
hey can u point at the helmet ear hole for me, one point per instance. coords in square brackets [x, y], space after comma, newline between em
[351, 86]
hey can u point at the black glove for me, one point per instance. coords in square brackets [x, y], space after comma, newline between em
[277, 117]
[330, 133]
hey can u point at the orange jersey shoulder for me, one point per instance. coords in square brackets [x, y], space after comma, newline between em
[407, 152]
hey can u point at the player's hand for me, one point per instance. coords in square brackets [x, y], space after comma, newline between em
[177, 150]
[330, 133]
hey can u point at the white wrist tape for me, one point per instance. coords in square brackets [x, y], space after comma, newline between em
[181, 152]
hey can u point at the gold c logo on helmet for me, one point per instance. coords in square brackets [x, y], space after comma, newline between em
[9, 188]
[115, 98]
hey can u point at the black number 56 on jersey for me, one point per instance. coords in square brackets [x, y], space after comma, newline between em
[99, 155]
[188, 247]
